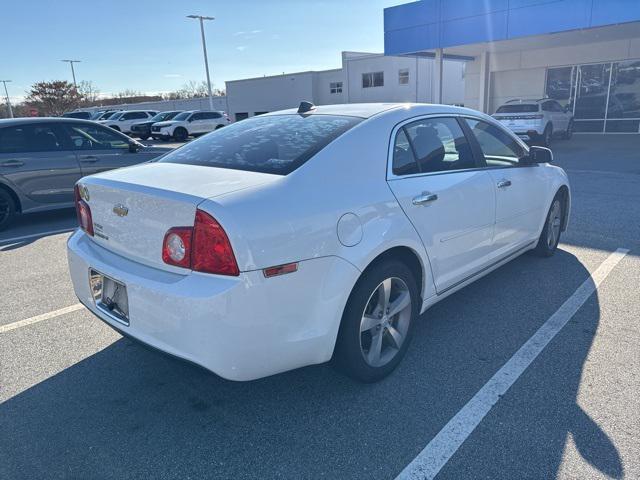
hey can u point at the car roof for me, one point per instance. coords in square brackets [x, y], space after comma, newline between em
[7, 122]
[367, 110]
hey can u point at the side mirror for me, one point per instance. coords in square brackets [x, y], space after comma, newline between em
[122, 119]
[134, 147]
[567, 108]
[538, 155]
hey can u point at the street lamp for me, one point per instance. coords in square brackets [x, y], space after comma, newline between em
[73, 73]
[7, 95]
[204, 49]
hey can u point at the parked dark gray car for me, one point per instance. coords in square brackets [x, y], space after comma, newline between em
[41, 159]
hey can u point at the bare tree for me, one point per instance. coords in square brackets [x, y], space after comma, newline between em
[192, 89]
[90, 94]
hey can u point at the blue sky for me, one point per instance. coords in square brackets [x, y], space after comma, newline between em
[149, 45]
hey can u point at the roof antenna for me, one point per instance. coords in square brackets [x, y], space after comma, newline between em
[306, 107]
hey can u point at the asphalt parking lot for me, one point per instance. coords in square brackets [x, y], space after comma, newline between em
[79, 401]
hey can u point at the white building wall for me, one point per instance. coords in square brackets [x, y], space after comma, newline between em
[321, 88]
[267, 94]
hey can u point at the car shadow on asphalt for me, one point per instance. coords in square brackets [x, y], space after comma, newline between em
[128, 412]
[36, 226]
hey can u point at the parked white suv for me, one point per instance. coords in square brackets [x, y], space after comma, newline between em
[122, 121]
[536, 120]
[192, 123]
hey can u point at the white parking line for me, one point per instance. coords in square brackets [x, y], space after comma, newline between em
[39, 318]
[442, 447]
[34, 235]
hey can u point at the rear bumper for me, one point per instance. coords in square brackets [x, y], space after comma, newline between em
[241, 328]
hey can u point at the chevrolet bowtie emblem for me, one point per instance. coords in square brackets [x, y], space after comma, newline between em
[120, 210]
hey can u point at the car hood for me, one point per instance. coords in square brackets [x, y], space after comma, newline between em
[143, 124]
[166, 123]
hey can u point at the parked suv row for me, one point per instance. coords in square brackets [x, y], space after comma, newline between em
[122, 121]
[536, 120]
[190, 123]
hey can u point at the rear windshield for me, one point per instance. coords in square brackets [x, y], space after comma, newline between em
[274, 144]
[525, 108]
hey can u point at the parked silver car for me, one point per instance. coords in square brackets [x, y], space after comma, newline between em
[41, 159]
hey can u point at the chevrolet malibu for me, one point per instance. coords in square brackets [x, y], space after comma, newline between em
[306, 235]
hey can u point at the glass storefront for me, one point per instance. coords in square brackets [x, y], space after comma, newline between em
[604, 97]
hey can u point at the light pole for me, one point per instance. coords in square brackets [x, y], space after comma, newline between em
[73, 73]
[6, 92]
[204, 49]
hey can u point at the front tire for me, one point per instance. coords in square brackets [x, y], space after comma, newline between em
[550, 236]
[180, 134]
[7, 209]
[378, 321]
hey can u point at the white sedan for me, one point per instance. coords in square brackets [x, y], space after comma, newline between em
[302, 236]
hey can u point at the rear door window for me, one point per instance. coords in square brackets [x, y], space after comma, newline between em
[39, 137]
[13, 139]
[276, 144]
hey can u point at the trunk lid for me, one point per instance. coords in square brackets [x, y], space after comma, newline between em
[132, 208]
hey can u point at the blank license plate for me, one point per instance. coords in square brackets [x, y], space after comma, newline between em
[110, 296]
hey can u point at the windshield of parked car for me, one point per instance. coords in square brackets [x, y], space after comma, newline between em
[114, 116]
[159, 117]
[182, 116]
[518, 108]
[276, 144]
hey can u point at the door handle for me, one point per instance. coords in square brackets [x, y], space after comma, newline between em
[88, 159]
[504, 183]
[425, 197]
[13, 163]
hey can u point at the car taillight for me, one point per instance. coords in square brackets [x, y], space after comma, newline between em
[204, 247]
[212, 252]
[176, 247]
[84, 212]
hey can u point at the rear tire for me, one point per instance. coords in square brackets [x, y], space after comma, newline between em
[377, 326]
[144, 137]
[7, 209]
[550, 236]
[115, 127]
[180, 134]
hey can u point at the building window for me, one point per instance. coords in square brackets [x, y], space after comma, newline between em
[335, 87]
[259, 113]
[241, 116]
[375, 79]
[403, 76]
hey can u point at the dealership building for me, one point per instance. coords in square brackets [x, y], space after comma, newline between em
[363, 77]
[583, 53]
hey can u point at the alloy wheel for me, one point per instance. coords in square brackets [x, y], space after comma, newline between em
[553, 224]
[385, 322]
[5, 210]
